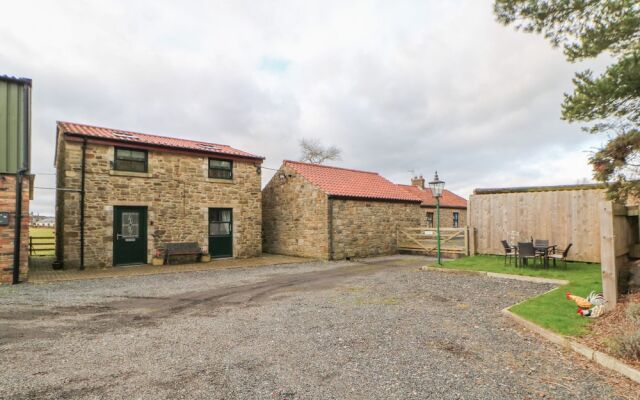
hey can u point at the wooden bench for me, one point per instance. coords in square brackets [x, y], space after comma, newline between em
[181, 249]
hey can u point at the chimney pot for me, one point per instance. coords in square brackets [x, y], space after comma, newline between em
[418, 182]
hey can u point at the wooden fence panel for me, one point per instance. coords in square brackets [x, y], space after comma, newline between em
[560, 216]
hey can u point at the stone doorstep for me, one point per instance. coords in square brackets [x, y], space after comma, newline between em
[596, 356]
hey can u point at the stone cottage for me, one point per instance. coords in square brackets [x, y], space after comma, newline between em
[124, 195]
[333, 213]
[453, 208]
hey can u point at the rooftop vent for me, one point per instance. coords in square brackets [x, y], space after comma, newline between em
[208, 147]
[124, 135]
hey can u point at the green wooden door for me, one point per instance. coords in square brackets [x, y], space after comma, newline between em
[129, 235]
[220, 232]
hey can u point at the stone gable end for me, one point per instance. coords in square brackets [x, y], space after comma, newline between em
[294, 216]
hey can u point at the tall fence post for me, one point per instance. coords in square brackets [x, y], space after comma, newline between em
[466, 241]
[472, 241]
[616, 239]
[608, 255]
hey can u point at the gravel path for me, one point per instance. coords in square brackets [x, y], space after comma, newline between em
[378, 329]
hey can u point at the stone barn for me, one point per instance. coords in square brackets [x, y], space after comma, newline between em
[331, 213]
[124, 195]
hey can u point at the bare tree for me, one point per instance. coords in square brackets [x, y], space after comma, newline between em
[314, 152]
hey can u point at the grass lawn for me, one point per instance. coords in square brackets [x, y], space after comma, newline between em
[42, 232]
[551, 310]
[47, 234]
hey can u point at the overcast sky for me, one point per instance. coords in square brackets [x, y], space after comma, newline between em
[398, 86]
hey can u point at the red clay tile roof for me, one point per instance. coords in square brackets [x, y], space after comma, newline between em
[448, 199]
[342, 182]
[153, 140]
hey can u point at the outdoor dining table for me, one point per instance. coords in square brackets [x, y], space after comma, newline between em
[542, 249]
[545, 252]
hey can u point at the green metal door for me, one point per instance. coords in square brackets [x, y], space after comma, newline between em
[129, 235]
[220, 232]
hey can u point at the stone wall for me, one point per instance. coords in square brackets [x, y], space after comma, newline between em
[294, 217]
[369, 228]
[7, 233]
[176, 191]
[446, 216]
[296, 221]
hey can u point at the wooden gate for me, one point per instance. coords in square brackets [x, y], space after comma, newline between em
[454, 241]
[42, 246]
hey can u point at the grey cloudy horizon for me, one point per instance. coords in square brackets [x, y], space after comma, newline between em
[410, 86]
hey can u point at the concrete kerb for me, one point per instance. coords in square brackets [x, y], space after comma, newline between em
[593, 355]
[534, 279]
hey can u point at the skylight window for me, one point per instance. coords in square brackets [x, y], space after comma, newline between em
[124, 135]
[208, 147]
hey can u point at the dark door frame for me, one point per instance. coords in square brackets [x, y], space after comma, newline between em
[229, 237]
[143, 232]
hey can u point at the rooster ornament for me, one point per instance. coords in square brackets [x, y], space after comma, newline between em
[592, 306]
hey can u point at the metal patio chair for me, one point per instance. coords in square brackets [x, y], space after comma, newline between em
[540, 246]
[562, 256]
[526, 251]
[509, 251]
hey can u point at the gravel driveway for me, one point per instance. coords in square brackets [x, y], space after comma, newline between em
[374, 329]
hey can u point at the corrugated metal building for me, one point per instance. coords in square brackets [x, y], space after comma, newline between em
[15, 104]
[15, 179]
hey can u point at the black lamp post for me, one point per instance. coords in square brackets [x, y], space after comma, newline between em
[437, 186]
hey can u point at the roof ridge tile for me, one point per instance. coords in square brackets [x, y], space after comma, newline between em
[330, 166]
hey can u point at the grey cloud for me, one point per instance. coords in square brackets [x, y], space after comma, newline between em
[422, 86]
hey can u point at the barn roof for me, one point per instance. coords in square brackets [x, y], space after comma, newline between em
[351, 183]
[136, 138]
[448, 199]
